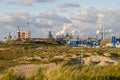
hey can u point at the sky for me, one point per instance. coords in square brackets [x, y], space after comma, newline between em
[77, 17]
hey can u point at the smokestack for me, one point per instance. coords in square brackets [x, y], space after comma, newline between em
[103, 32]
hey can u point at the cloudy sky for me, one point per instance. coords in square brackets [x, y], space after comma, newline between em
[83, 17]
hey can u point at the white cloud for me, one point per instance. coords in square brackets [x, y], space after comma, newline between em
[5, 18]
[66, 5]
[38, 24]
[30, 2]
[86, 22]
[87, 14]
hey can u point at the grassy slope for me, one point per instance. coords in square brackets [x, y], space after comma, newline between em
[70, 72]
[16, 50]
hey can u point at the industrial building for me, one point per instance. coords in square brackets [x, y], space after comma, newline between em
[115, 41]
[25, 34]
[18, 35]
[70, 40]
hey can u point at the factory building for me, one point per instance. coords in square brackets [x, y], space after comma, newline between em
[75, 42]
[82, 42]
[24, 35]
[27, 34]
[9, 36]
[68, 39]
[50, 36]
[18, 35]
[115, 41]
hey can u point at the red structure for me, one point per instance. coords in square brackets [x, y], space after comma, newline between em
[18, 33]
[23, 35]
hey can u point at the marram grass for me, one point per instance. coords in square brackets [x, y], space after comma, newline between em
[66, 71]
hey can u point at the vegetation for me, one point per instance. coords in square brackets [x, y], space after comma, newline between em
[67, 71]
[19, 53]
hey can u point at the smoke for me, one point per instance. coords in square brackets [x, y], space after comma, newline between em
[75, 32]
[70, 29]
[110, 30]
[61, 33]
[97, 32]
[63, 30]
[101, 17]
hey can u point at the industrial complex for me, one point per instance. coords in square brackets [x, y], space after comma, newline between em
[68, 39]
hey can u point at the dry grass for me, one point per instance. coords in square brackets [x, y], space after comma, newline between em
[14, 55]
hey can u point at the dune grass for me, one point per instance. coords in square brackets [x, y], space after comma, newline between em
[15, 52]
[65, 71]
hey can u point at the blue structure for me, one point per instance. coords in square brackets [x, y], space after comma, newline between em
[92, 43]
[89, 43]
[81, 42]
[75, 42]
[113, 41]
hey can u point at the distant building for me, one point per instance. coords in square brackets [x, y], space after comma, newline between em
[27, 34]
[9, 36]
[115, 42]
[23, 35]
[50, 36]
[75, 42]
[18, 36]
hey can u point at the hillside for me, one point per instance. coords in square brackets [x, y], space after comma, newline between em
[57, 59]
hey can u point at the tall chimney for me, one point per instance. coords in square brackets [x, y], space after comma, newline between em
[102, 32]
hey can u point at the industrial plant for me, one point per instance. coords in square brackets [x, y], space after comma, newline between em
[66, 38]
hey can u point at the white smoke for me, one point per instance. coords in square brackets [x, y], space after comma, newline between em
[74, 32]
[68, 28]
[97, 32]
[100, 18]
[110, 30]
[63, 30]
[61, 33]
